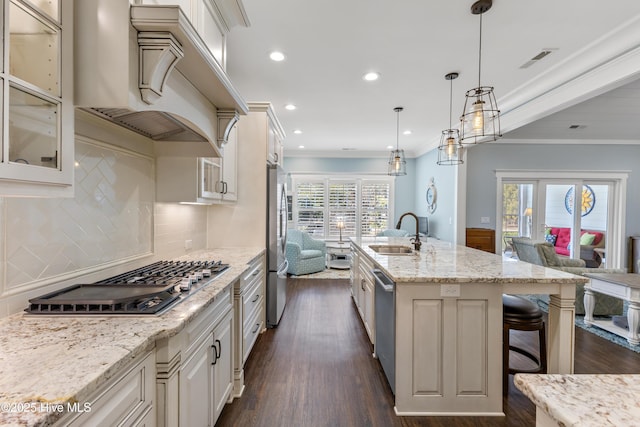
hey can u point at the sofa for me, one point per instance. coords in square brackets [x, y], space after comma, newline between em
[544, 254]
[560, 238]
[304, 254]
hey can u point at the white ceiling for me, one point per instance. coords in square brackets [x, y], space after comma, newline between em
[329, 45]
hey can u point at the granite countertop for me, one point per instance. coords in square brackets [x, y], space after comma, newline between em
[584, 400]
[64, 359]
[444, 262]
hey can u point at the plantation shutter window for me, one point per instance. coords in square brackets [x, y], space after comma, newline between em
[363, 204]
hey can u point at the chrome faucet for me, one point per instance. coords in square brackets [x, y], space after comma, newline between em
[415, 240]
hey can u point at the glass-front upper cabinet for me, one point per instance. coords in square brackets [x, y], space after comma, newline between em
[37, 110]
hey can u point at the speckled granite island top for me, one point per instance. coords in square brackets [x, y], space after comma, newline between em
[584, 400]
[63, 359]
[443, 262]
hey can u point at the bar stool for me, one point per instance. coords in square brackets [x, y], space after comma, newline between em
[520, 314]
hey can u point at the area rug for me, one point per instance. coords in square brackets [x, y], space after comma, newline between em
[329, 273]
[579, 321]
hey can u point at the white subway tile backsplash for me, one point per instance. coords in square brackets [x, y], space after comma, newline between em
[110, 218]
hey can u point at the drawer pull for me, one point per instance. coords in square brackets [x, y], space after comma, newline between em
[255, 298]
[255, 273]
[256, 328]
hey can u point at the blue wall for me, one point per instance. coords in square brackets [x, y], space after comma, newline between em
[442, 220]
[404, 188]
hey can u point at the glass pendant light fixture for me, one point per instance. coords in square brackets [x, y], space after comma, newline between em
[397, 163]
[450, 149]
[480, 121]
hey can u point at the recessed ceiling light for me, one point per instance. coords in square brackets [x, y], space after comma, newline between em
[297, 131]
[371, 76]
[276, 56]
[300, 146]
[407, 132]
[389, 147]
[290, 107]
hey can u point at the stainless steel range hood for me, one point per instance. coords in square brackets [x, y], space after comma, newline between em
[149, 71]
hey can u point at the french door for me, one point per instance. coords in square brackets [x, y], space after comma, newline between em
[574, 216]
[581, 214]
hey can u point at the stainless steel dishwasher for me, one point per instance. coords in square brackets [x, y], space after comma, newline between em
[385, 312]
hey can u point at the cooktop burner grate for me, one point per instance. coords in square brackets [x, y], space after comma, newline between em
[151, 289]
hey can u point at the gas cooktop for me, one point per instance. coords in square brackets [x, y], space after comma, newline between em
[151, 289]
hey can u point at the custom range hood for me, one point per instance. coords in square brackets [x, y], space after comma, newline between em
[146, 68]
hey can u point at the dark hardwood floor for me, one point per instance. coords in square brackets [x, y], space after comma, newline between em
[316, 369]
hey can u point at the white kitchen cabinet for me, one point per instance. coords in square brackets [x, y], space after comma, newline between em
[213, 19]
[275, 146]
[206, 377]
[223, 365]
[194, 376]
[228, 185]
[249, 306]
[125, 400]
[204, 180]
[246, 220]
[262, 127]
[362, 289]
[354, 274]
[37, 112]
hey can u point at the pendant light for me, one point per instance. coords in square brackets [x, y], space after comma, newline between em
[480, 121]
[397, 163]
[450, 149]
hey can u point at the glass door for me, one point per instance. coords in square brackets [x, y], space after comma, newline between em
[574, 217]
[582, 213]
[517, 210]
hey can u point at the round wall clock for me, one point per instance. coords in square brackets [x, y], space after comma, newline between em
[432, 197]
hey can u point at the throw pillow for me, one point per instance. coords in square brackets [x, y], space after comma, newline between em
[551, 238]
[548, 253]
[587, 239]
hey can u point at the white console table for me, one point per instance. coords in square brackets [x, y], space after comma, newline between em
[338, 254]
[625, 286]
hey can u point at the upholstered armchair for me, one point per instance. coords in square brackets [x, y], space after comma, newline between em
[544, 254]
[305, 254]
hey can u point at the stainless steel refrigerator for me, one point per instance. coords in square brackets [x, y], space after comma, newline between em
[276, 241]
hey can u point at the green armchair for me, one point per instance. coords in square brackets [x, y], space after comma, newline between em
[304, 253]
[544, 254]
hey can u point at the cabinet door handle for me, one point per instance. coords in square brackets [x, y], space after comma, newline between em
[277, 157]
[255, 298]
[255, 273]
[362, 284]
[215, 353]
[225, 186]
[256, 328]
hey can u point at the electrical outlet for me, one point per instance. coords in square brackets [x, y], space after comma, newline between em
[484, 220]
[188, 244]
[449, 291]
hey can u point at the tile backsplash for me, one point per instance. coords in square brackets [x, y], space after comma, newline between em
[111, 219]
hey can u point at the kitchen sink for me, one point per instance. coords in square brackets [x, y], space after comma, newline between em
[392, 249]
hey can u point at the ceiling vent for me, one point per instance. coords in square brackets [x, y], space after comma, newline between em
[544, 53]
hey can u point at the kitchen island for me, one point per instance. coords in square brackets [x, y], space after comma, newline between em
[448, 322]
[50, 365]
